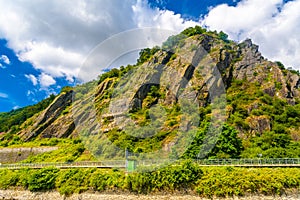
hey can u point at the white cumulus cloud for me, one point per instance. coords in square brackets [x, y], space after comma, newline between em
[5, 59]
[3, 95]
[273, 25]
[144, 16]
[56, 36]
[32, 78]
[16, 107]
[46, 80]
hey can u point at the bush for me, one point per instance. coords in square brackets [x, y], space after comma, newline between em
[8, 178]
[146, 54]
[110, 74]
[43, 179]
[175, 177]
[182, 176]
[197, 30]
[174, 41]
[223, 181]
[73, 181]
[102, 180]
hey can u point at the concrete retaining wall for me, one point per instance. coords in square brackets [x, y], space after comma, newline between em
[12, 155]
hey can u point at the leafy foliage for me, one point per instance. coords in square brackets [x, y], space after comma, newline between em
[226, 143]
[173, 42]
[13, 119]
[110, 74]
[223, 36]
[191, 31]
[43, 179]
[73, 181]
[247, 103]
[146, 54]
[68, 152]
[174, 177]
[229, 181]
[185, 176]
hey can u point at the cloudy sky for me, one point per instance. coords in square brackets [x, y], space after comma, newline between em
[44, 44]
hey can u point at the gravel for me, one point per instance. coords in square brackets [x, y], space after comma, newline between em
[26, 195]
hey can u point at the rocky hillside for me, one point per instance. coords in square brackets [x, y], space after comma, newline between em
[198, 92]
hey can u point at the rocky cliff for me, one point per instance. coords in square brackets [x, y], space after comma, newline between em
[198, 68]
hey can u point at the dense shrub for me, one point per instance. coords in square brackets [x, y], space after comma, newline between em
[228, 181]
[73, 180]
[103, 180]
[178, 177]
[175, 177]
[43, 179]
[17, 117]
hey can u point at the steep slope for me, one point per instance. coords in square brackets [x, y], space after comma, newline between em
[198, 92]
[18, 116]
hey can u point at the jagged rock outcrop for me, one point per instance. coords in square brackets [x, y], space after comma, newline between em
[198, 69]
[259, 124]
[49, 123]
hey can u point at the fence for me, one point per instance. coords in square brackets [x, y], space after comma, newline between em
[251, 162]
[274, 162]
[87, 164]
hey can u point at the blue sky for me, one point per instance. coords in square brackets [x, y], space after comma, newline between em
[16, 89]
[189, 9]
[43, 45]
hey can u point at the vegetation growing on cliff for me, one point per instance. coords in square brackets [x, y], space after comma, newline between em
[262, 103]
[13, 119]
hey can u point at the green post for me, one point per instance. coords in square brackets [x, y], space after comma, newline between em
[131, 165]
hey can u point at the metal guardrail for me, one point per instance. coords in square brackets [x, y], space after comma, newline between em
[84, 164]
[251, 162]
[278, 162]
[271, 162]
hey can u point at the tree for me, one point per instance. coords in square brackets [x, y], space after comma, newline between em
[228, 145]
[223, 36]
[221, 145]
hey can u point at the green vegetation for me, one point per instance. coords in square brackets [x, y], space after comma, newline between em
[173, 42]
[223, 36]
[249, 106]
[110, 74]
[175, 177]
[68, 151]
[43, 179]
[44, 142]
[229, 181]
[259, 121]
[146, 54]
[197, 30]
[185, 176]
[262, 120]
[227, 144]
[13, 119]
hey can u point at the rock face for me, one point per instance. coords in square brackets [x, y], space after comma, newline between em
[251, 57]
[204, 64]
[258, 124]
[49, 123]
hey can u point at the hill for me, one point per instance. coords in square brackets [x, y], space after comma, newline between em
[199, 95]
